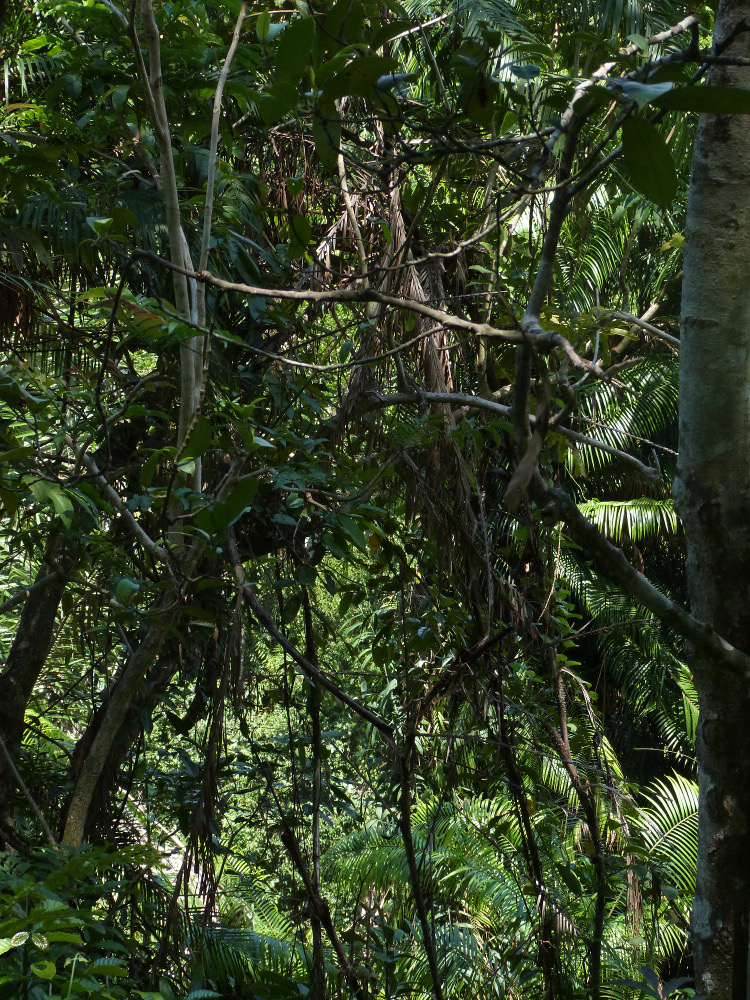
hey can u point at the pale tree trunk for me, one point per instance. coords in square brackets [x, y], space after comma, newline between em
[713, 496]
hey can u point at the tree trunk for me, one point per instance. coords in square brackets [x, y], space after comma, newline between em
[713, 495]
[28, 654]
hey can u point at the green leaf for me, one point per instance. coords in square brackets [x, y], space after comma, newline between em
[353, 530]
[300, 232]
[307, 575]
[712, 100]
[263, 28]
[166, 990]
[638, 40]
[294, 48]
[277, 101]
[291, 609]
[199, 440]
[99, 224]
[570, 879]
[526, 71]
[51, 493]
[119, 96]
[648, 162]
[106, 967]
[44, 970]
[327, 135]
[358, 77]
[148, 468]
[641, 93]
[334, 545]
[219, 517]
[126, 590]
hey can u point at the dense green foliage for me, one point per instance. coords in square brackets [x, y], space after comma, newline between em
[469, 770]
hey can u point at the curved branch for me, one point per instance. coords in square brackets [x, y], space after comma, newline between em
[535, 335]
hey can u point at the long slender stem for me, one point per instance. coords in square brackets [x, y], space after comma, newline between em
[407, 837]
[317, 977]
[213, 155]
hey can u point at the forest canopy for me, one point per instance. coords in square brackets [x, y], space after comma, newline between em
[343, 598]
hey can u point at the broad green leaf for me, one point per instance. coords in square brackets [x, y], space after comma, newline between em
[300, 232]
[199, 440]
[359, 77]
[51, 493]
[107, 967]
[119, 96]
[712, 100]
[166, 990]
[219, 517]
[277, 101]
[327, 135]
[638, 40]
[291, 608]
[333, 545]
[648, 162]
[126, 590]
[66, 936]
[354, 531]
[99, 224]
[307, 575]
[294, 48]
[524, 71]
[570, 879]
[148, 468]
[345, 20]
[263, 26]
[44, 970]
[641, 93]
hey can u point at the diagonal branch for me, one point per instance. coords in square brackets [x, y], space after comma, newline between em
[110, 493]
[612, 561]
[316, 675]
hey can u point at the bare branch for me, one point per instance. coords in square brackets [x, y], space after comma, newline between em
[374, 399]
[543, 340]
[21, 596]
[558, 506]
[26, 793]
[110, 493]
[384, 728]
[648, 327]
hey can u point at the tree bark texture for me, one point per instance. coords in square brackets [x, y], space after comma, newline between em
[28, 654]
[712, 491]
